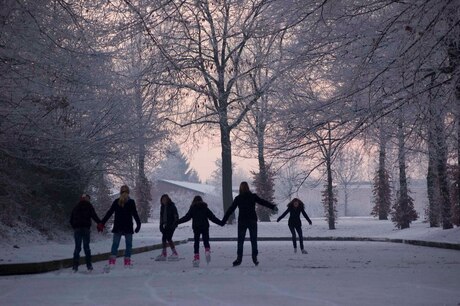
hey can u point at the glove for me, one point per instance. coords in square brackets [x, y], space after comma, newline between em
[278, 220]
[222, 223]
[311, 223]
[138, 228]
[100, 227]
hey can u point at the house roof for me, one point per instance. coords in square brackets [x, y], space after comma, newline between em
[202, 188]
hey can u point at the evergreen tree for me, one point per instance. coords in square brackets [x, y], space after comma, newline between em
[381, 192]
[175, 166]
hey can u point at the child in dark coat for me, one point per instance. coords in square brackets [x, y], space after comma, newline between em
[80, 219]
[295, 208]
[200, 213]
[168, 224]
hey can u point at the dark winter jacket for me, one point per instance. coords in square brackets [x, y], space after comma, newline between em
[123, 222]
[294, 217]
[200, 213]
[168, 216]
[246, 203]
[82, 214]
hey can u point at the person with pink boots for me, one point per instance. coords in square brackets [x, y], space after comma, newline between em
[125, 210]
[200, 213]
[168, 224]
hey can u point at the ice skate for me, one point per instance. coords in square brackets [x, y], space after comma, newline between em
[173, 257]
[207, 253]
[254, 260]
[295, 250]
[304, 251]
[196, 261]
[110, 265]
[161, 257]
[128, 263]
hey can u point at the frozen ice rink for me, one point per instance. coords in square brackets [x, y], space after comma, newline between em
[333, 273]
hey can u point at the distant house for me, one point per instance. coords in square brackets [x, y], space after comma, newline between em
[170, 186]
[182, 193]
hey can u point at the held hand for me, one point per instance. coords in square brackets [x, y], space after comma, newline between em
[100, 227]
[222, 223]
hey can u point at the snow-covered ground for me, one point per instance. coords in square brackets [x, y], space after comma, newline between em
[32, 248]
[333, 273]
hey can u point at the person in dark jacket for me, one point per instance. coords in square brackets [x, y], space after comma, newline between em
[125, 210]
[247, 219]
[295, 208]
[168, 224]
[200, 213]
[80, 220]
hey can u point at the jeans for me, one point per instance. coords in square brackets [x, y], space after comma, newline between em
[82, 235]
[116, 244]
[242, 227]
[293, 229]
[196, 238]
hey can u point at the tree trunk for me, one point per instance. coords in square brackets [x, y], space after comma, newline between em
[330, 194]
[441, 167]
[403, 192]
[432, 178]
[263, 213]
[226, 144]
[142, 185]
[383, 207]
[345, 195]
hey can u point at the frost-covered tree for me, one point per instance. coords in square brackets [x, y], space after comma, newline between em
[347, 168]
[175, 166]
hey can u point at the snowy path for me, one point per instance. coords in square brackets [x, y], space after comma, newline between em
[333, 273]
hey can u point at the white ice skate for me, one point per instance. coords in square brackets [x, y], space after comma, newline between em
[161, 257]
[173, 257]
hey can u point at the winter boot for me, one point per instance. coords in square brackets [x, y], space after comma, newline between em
[254, 260]
[237, 262]
[304, 251]
[196, 260]
[128, 263]
[207, 253]
[162, 256]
